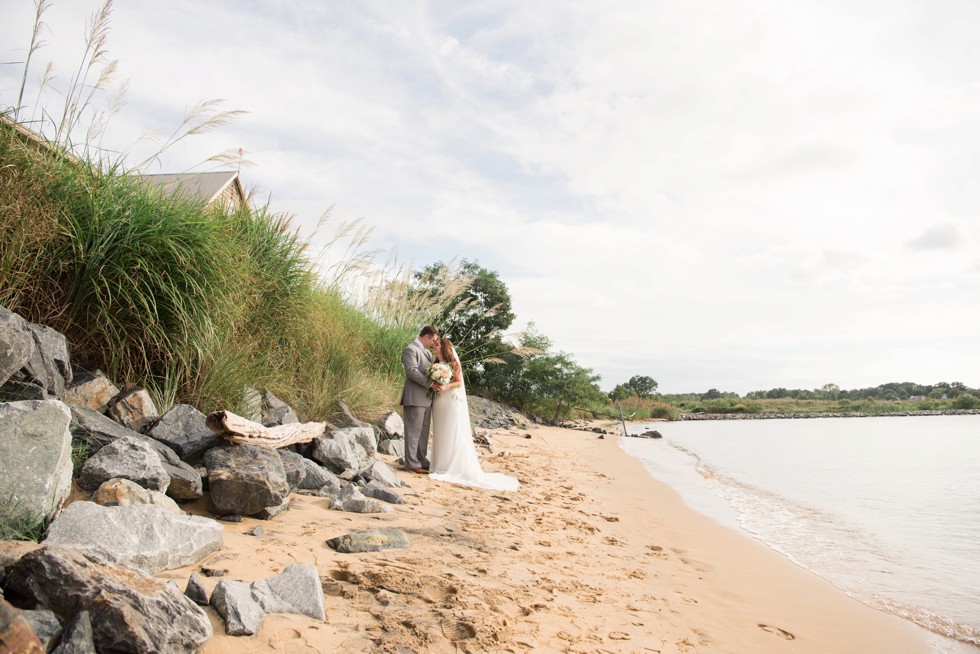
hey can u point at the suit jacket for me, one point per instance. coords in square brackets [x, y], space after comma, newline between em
[416, 359]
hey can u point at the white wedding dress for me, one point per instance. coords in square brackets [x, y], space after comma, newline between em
[453, 455]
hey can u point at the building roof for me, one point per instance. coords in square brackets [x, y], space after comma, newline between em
[205, 187]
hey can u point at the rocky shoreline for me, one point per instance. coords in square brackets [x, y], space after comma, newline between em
[108, 485]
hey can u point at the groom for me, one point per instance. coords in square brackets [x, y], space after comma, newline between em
[416, 402]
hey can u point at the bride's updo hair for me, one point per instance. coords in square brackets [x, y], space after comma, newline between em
[446, 349]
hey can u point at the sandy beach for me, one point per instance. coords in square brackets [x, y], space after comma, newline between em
[590, 555]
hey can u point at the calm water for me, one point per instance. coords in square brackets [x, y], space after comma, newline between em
[886, 509]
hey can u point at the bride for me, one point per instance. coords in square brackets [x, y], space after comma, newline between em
[453, 456]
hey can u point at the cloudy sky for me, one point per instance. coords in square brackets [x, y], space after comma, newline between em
[732, 195]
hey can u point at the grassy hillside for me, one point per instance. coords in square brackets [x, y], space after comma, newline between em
[192, 302]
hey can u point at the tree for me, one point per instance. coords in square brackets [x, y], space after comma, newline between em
[642, 385]
[621, 392]
[476, 318]
[533, 378]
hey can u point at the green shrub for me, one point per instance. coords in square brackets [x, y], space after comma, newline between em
[966, 401]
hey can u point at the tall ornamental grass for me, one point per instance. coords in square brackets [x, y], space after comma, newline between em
[193, 302]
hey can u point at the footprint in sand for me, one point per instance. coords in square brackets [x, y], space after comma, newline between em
[782, 633]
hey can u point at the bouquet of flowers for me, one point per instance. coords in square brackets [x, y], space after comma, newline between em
[440, 373]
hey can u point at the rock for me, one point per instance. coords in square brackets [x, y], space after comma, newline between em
[134, 409]
[343, 449]
[382, 492]
[129, 612]
[123, 492]
[257, 530]
[182, 429]
[214, 572]
[16, 344]
[295, 466]
[251, 407]
[91, 390]
[195, 590]
[275, 411]
[653, 433]
[125, 458]
[145, 538]
[244, 479]
[242, 613]
[392, 425]
[381, 472]
[367, 439]
[12, 550]
[316, 476]
[97, 431]
[392, 447]
[296, 589]
[270, 512]
[351, 499]
[35, 458]
[332, 488]
[18, 391]
[372, 540]
[47, 364]
[342, 417]
[78, 637]
[16, 634]
[45, 625]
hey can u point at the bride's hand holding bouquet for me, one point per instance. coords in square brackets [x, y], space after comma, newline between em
[440, 374]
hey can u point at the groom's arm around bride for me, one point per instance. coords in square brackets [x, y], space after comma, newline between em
[416, 401]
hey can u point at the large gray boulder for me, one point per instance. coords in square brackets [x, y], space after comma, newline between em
[348, 449]
[125, 458]
[77, 637]
[296, 589]
[145, 537]
[392, 425]
[245, 479]
[372, 540]
[316, 476]
[182, 429]
[123, 492]
[96, 430]
[16, 344]
[343, 417]
[130, 612]
[47, 364]
[382, 492]
[35, 457]
[233, 601]
[276, 412]
[295, 466]
[91, 390]
[46, 625]
[392, 447]
[352, 500]
[382, 473]
[134, 409]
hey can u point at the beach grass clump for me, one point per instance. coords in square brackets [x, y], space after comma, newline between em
[195, 302]
[20, 523]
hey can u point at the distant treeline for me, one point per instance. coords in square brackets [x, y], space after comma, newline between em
[889, 392]
[891, 398]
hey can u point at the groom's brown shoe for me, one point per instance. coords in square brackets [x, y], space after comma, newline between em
[419, 471]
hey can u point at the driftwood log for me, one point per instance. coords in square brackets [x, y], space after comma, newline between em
[242, 431]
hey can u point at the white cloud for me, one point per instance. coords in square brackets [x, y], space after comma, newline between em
[717, 195]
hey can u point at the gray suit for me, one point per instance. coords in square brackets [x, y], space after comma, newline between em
[416, 404]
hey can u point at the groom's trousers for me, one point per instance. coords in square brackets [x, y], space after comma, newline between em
[417, 419]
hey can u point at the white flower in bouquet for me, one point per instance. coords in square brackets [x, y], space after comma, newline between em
[440, 373]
